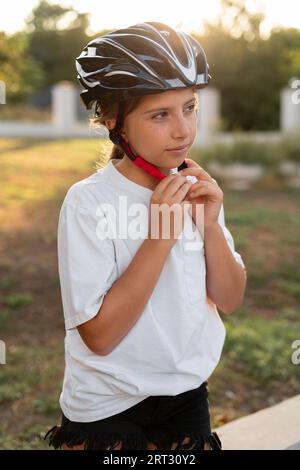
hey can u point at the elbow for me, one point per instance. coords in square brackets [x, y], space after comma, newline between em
[96, 347]
[238, 301]
[104, 351]
[231, 307]
[99, 351]
[100, 347]
[235, 299]
[227, 306]
[94, 342]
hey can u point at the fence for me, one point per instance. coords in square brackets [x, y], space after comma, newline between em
[65, 122]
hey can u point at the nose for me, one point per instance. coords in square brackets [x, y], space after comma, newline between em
[181, 127]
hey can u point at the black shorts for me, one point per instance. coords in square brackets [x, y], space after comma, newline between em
[162, 420]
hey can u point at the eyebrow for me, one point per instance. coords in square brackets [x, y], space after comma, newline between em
[167, 109]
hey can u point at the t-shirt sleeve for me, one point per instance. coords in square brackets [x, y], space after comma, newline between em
[229, 238]
[86, 263]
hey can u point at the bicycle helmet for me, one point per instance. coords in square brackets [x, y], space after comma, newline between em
[142, 59]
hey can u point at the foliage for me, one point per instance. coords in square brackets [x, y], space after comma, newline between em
[56, 37]
[241, 150]
[290, 147]
[21, 74]
[248, 68]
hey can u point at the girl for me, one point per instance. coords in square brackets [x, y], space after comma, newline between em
[140, 295]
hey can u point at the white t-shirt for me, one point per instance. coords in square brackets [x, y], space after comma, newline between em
[177, 341]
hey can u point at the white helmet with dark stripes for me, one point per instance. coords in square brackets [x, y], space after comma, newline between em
[142, 59]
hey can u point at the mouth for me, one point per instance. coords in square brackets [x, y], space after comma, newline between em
[182, 147]
[178, 150]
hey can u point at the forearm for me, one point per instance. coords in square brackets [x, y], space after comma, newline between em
[125, 301]
[225, 278]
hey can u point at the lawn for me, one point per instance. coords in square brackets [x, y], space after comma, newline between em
[256, 368]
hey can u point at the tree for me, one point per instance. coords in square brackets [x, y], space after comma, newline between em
[21, 74]
[236, 18]
[250, 70]
[56, 36]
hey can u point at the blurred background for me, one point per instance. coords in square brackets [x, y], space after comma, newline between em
[248, 139]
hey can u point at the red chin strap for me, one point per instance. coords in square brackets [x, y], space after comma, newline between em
[142, 163]
[139, 161]
[149, 168]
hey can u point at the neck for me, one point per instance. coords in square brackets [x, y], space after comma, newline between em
[136, 174]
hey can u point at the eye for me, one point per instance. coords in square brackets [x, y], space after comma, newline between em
[160, 114]
[190, 109]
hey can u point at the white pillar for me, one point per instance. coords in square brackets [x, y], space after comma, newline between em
[2, 352]
[208, 115]
[64, 96]
[289, 109]
[2, 92]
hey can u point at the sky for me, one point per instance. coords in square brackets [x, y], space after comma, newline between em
[187, 14]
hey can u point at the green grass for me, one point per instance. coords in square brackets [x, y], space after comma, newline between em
[39, 170]
[18, 300]
[255, 370]
[4, 318]
[261, 349]
[30, 380]
[7, 282]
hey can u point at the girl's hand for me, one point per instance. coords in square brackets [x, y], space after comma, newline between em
[169, 196]
[205, 191]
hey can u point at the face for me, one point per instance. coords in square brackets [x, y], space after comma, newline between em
[161, 123]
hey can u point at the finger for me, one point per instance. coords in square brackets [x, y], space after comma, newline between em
[174, 185]
[191, 163]
[162, 185]
[200, 198]
[196, 172]
[204, 190]
[181, 193]
[200, 184]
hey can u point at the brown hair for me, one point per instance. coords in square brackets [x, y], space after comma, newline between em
[107, 111]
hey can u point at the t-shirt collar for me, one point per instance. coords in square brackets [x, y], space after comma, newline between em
[122, 181]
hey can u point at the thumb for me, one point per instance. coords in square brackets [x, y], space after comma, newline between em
[190, 163]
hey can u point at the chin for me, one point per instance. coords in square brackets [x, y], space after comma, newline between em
[172, 164]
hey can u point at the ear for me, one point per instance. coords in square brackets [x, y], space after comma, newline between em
[110, 123]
